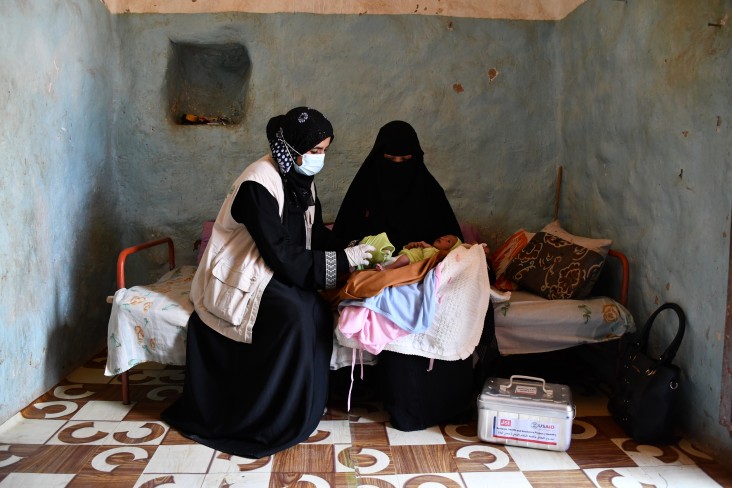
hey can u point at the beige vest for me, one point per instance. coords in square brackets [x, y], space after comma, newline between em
[228, 285]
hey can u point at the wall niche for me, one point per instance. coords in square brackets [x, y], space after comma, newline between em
[207, 83]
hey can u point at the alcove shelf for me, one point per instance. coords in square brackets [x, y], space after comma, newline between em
[207, 83]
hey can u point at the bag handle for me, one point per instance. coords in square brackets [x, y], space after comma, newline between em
[670, 352]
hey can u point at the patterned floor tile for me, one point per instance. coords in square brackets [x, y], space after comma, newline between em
[496, 480]
[429, 436]
[305, 458]
[331, 432]
[371, 461]
[227, 463]
[127, 461]
[380, 481]
[598, 453]
[647, 455]
[106, 480]
[369, 434]
[186, 480]
[344, 462]
[102, 410]
[19, 430]
[12, 457]
[181, 459]
[56, 459]
[27, 480]
[316, 479]
[79, 435]
[679, 476]
[718, 473]
[559, 479]
[460, 434]
[88, 375]
[113, 467]
[437, 480]
[482, 457]
[423, 459]
[539, 460]
[236, 480]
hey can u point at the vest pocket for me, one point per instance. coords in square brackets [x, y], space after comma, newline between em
[228, 292]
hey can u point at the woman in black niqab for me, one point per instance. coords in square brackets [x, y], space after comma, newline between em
[402, 199]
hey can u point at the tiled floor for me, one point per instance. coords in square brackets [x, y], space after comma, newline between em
[80, 435]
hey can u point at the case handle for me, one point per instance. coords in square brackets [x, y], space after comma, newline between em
[535, 379]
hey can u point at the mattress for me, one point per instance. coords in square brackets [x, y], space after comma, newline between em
[528, 323]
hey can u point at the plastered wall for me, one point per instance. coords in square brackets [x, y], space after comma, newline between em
[486, 116]
[632, 98]
[57, 191]
[646, 138]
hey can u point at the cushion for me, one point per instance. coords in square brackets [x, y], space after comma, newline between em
[501, 257]
[555, 268]
[600, 246]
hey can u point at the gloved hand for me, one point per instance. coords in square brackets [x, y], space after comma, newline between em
[359, 255]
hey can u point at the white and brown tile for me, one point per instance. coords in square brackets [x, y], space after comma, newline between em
[79, 435]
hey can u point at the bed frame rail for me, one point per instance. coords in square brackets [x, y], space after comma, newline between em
[121, 260]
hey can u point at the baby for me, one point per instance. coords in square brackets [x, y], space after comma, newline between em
[418, 251]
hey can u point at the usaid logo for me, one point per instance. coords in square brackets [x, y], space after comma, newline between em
[505, 422]
[539, 425]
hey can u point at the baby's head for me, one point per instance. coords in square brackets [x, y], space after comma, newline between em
[447, 243]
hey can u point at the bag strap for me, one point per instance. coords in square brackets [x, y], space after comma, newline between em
[670, 352]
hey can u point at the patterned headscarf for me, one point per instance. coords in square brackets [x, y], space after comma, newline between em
[296, 132]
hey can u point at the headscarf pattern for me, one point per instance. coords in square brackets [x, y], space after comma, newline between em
[296, 132]
[281, 153]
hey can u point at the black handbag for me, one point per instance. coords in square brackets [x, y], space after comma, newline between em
[645, 395]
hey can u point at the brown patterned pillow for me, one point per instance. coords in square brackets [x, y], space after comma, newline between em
[554, 268]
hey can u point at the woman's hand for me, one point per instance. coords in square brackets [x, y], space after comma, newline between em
[359, 255]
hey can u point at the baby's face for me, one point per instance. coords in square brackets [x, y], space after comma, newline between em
[445, 243]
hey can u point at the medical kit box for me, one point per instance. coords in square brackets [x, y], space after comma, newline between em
[526, 411]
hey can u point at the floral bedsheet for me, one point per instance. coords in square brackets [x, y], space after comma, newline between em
[148, 323]
[528, 323]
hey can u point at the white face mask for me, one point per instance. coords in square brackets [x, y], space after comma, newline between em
[311, 164]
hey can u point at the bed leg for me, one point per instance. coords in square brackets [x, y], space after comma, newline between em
[125, 388]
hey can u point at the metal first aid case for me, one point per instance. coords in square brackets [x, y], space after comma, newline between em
[526, 411]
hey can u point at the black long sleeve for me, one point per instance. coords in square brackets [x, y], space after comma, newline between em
[282, 244]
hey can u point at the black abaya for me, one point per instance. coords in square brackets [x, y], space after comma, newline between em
[252, 400]
[405, 201]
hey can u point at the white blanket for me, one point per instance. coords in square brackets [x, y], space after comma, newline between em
[148, 323]
[463, 297]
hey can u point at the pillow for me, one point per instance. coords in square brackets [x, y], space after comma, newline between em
[600, 246]
[501, 257]
[554, 268]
